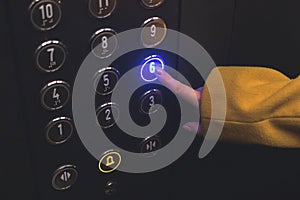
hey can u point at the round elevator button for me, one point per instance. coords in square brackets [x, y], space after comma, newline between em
[108, 114]
[150, 100]
[45, 14]
[149, 67]
[152, 3]
[150, 144]
[64, 177]
[102, 8]
[59, 130]
[55, 95]
[104, 43]
[109, 161]
[50, 56]
[105, 80]
[154, 32]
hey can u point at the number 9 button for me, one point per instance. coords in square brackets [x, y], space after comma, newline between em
[104, 43]
[50, 56]
[55, 95]
[105, 80]
[154, 32]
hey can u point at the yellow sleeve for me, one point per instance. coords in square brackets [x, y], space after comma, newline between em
[263, 106]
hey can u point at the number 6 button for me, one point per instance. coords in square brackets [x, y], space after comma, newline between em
[45, 14]
[106, 80]
[55, 95]
[50, 56]
[105, 115]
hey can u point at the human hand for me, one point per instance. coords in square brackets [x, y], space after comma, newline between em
[187, 93]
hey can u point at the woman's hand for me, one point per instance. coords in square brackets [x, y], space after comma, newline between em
[187, 93]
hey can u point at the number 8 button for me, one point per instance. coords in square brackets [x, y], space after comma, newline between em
[104, 43]
[50, 56]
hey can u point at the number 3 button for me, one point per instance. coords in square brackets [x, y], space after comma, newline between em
[106, 79]
[55, 95]
[149, 100]
[108, 114]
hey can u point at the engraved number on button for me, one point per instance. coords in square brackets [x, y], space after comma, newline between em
[51, 57]
[106, 80]
[152, 101]
[153, 30]
[104, 42]
[60, 128]
[107, 113]
[101, 5]
[56, 95]
[152, 67]
[46, 11]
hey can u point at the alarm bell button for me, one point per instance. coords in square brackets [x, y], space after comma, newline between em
[109, 162]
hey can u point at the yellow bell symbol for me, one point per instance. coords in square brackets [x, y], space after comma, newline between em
[109, 161]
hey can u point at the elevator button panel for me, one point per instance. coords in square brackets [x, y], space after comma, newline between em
[50, 56]
[55, 95]
[45, 14]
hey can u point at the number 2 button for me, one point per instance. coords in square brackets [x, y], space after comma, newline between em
[108, 114]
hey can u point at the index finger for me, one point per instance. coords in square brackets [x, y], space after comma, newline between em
[185, 92]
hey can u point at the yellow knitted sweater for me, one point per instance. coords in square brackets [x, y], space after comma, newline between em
[263, 106]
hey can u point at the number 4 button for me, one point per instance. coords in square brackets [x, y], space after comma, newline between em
[55, 95]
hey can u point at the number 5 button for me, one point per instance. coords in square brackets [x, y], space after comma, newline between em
[55, 95]
[50, 56]
[106, 79]
[108, 114]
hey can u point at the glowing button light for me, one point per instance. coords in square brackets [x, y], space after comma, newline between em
[148, 68]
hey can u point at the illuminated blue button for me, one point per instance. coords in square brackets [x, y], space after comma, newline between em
[149, 67]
